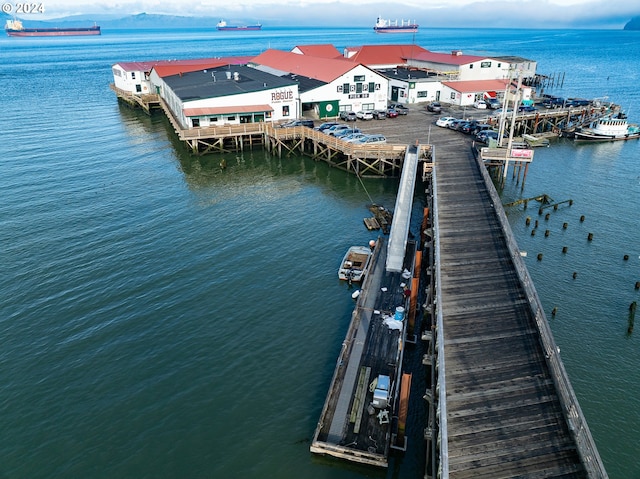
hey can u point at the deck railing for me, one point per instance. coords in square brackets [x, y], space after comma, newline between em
[573, 414]
[441, 415]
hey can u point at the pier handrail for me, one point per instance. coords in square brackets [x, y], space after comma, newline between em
[442, 385]
[576, 421]
[336, 143]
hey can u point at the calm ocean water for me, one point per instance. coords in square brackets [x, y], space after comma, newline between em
[161, 318]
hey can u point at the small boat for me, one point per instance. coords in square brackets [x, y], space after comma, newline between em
[355, 264]
[224, 27]
[387, 26]
[608, 129]
[534, 141]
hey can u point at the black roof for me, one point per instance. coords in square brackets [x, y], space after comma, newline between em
[305, 83]
[223, 81]
[405, 73]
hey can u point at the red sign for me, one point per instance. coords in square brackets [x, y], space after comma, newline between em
[519, 153]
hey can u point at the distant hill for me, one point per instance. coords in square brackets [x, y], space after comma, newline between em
[633, 24]
[116, 22]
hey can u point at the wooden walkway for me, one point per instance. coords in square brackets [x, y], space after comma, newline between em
[507, 408]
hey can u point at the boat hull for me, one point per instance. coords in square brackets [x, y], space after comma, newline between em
[53, 32]
[355, 264]
[591, 136]
[406, 29]
[237, 29]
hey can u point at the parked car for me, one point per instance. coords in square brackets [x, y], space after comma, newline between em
[480, 127]
[480, 104]
[352, 137]
[434, 107]
[460, 125]
[526, 109]
[379, 114]
[454, 124]
[467, 127]
[445, 121]
[493, 103]
[553, 101]
[326, 125]
[369, 139]
[577, 102]
[302, 122]
[348, 115]
[364, 115]
[392, 113]
[485, 135]
[337, 128]
[400, 108]
[345, 132]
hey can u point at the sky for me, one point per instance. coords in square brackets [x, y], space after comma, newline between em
[362, 13]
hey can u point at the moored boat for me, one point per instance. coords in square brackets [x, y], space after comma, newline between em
[608, 129]
[14, 28]
[224, 27]
[533, 141]
[387, 26]
[355, 264]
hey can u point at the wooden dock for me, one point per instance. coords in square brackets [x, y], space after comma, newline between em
[506, 406]
[350, 427]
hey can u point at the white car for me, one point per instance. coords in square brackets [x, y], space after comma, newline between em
[364, 115]
[445, 121]
[480, 104]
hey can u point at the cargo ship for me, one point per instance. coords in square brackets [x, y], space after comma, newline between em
[387, 26]
[223, 27]
[14, 28]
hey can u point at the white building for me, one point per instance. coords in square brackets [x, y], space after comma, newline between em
[232, 94]
[327, 85]
[461, 67]
[133, 77]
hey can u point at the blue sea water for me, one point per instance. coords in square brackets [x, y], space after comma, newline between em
[162, 318]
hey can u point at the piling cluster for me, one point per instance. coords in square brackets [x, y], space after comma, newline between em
[546, 204]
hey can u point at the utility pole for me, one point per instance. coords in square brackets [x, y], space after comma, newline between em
[516, 104]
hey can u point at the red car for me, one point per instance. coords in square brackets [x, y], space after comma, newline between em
[391, 113]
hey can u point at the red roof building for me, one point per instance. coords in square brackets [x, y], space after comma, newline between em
[383, 56]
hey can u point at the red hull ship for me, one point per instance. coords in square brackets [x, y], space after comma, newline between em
[14, 28]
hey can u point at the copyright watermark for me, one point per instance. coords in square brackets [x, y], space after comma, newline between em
[23, 8]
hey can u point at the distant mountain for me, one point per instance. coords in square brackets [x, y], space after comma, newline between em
[633, 24]
[147, 20]
[116, 22]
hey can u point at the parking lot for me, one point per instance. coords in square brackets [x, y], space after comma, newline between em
[418, 125]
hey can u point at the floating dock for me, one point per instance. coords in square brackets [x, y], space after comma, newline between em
[356, 424]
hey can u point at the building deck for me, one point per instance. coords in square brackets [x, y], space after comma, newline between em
[349, 426]
[510, 411]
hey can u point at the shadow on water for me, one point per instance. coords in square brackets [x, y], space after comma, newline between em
[259, 165]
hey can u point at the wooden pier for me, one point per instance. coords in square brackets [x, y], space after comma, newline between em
[364, 160]
[505, 404]
[147, 102]
[558, 122]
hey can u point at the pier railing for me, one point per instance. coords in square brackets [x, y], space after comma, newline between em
[385, 150]
[573, 414]
[443, 440]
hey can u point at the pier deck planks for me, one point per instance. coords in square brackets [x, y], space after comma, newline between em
[504, 415]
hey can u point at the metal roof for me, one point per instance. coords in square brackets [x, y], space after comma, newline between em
[224, 81]
[402, 211]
